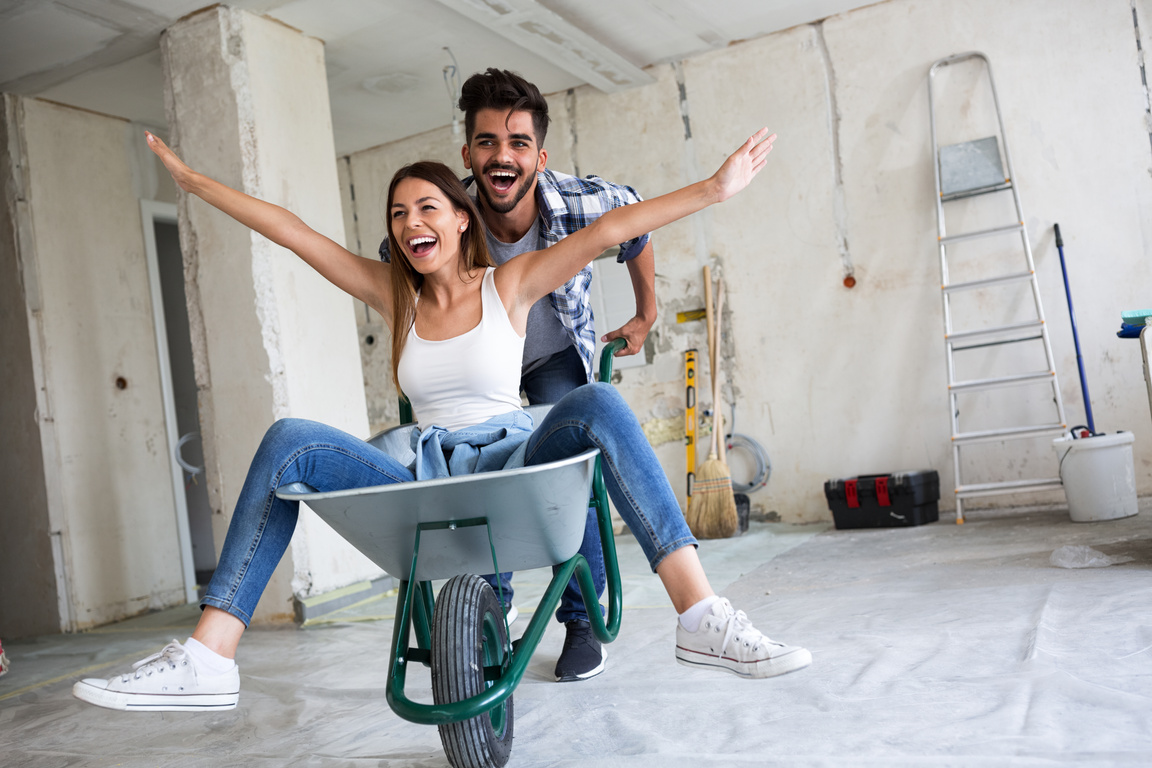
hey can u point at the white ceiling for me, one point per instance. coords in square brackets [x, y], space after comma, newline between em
[386, 58]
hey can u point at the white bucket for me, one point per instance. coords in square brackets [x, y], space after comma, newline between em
[1098, 474]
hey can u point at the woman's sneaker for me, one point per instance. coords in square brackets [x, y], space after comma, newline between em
[727, 640]
[164, 682]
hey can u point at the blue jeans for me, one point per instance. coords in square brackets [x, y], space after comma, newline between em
[293, 450]
[329, 459]
[548, 383]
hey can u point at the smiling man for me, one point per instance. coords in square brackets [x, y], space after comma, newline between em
[506, 121]
[527, 206]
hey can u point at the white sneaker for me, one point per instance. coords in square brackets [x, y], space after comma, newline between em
[163, 682]
[512, 613]
[727, 640]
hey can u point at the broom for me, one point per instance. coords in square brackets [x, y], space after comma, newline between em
[712, 509]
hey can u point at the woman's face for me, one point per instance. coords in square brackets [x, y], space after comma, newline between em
[426, 226]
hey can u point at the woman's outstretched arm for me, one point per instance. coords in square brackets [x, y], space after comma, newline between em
[365, 279]
[536, 274]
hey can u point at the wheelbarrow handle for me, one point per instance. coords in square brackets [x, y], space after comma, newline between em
[607, 355]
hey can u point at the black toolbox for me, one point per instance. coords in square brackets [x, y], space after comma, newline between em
[884, 501]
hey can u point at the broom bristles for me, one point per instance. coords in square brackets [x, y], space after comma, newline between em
[712, 510]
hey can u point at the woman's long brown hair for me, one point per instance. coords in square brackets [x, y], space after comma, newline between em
[406, 281]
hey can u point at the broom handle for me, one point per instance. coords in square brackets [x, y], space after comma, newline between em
[719, 416]
[708, 320]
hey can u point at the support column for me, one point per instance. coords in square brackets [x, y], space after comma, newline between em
[247, 104]
[28, 564]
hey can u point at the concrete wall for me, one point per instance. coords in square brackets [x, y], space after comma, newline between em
[248, 105]
[836, 381]
[101, 443]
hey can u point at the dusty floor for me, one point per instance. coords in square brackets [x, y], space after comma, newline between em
[940, 645]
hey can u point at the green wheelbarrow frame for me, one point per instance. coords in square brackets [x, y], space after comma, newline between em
[415, 604]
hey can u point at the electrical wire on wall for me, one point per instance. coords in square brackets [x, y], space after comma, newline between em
[452, 84]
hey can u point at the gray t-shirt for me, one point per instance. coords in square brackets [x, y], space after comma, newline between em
[545, 334]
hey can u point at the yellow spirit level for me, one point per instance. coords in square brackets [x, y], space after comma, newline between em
[690, 417]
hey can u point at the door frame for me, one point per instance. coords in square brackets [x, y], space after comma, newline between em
[152, 211]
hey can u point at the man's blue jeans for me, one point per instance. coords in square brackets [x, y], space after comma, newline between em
[328, 459]
[548, 383]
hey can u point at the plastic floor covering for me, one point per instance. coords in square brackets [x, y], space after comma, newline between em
[941, 645]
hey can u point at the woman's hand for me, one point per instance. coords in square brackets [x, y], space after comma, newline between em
[743, 165]
[181, 173]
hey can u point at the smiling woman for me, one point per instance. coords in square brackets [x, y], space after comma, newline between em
[434, 226]
[458, 328]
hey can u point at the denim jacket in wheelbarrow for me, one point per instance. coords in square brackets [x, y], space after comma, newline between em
[498, 443]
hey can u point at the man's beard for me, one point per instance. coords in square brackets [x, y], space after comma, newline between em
[506, 207]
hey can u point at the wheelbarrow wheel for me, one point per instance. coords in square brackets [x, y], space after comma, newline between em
[468, 634]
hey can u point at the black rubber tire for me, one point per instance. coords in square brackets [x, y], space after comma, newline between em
[468, 633]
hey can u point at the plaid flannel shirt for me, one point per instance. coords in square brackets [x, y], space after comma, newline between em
[567, 204]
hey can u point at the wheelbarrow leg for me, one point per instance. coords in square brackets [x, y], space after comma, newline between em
[423, 609]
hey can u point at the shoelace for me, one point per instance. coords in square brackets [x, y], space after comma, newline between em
[740, 627]
[168, 656]
[582, 636]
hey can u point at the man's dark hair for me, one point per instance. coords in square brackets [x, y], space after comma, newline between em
[501, 89]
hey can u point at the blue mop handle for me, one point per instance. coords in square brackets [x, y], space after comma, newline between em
[1075, 335]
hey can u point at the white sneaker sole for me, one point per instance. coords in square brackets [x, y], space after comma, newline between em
[154, 702]
[590, 673]
[779, 665]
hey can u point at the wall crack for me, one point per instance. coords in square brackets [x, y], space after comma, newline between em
[570, 110]
[690, 168]
[1143, 76]
[840, 210]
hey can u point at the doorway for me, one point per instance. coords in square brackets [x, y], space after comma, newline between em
[178, 380]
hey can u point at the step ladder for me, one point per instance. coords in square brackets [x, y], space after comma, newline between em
[966, 170]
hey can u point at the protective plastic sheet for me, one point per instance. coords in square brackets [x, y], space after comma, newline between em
[939, 645]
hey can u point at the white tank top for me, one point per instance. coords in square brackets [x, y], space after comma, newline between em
[468, 379]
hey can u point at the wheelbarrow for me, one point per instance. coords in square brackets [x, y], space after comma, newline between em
[454, 528]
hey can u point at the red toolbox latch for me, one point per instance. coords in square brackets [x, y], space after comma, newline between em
[851, 494]
[882, 492]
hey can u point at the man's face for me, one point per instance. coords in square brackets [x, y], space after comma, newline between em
[504, 157]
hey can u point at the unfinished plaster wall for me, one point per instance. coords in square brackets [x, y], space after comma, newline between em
[102, 432]
[248, 105]
[836, 381]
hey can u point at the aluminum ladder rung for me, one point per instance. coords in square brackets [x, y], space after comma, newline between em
[1001, 381]
[975, 490]
[1013, 332]
[1017, 277]
[981, 233]
[960, 195]
[1010, 433]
